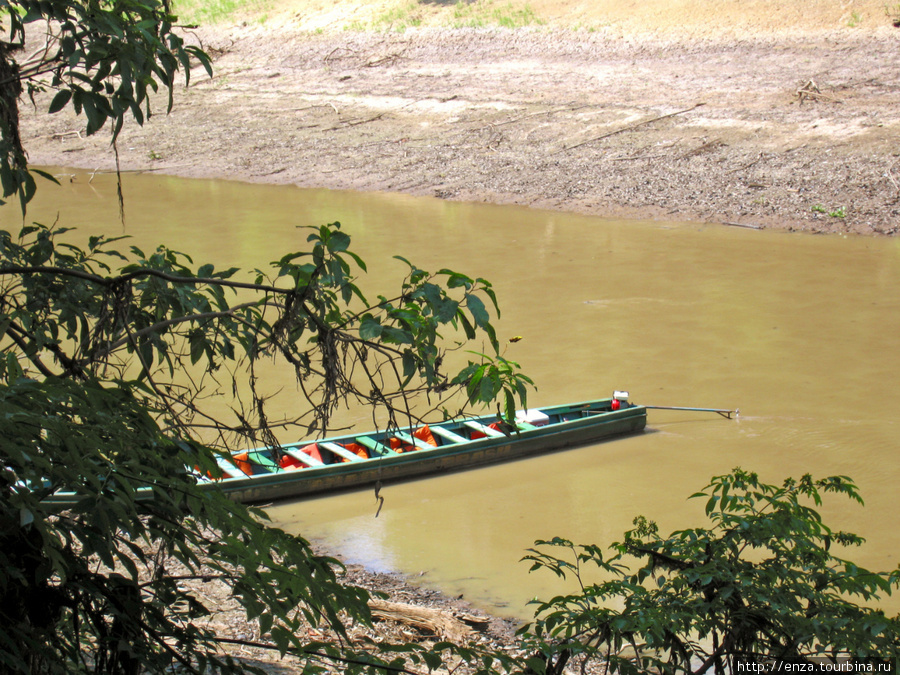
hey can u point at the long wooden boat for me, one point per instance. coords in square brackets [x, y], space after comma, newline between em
[359, 460]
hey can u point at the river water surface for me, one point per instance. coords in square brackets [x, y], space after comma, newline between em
[800, 332]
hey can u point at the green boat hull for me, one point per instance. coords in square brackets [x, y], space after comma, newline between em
[566, 426]
[583, 430]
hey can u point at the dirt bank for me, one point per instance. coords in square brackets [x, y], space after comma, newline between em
[421, 616]
[765, 129]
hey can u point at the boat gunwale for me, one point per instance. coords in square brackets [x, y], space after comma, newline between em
[285, 484]
[448, 450]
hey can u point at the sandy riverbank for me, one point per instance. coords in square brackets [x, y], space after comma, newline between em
[766, 128]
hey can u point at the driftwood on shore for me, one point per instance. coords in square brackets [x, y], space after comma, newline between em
[437, 621]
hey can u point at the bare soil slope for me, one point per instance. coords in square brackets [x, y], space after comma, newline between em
[683, 18]
[759, 113]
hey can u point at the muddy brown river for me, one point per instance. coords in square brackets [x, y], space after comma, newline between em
[800, 332]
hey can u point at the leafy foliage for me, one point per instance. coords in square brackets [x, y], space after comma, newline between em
[123, 387]
[100, 587]
[104, 58]
[492, 377]
[762, 581]
[111, 385]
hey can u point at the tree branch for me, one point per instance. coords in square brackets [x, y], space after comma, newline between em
[70, 365]
[630, 127]
[111, 281]
[34, 358]
[162, 325]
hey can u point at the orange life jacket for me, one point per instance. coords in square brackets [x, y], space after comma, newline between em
[289, 463]
[242, 461]
[475, 434]
[423, 433]
[356, 449]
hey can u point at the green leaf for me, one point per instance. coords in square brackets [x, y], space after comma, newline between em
[359, 261]
[370, 328]
[198, 346]
[409, 365]
[510, 406]
[60, 101]
[468, 329]
[479, 312]
[338, 241]
[536, 665]
[397, 336]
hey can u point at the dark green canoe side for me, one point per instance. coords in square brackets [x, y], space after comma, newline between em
[590, 422]
[442, 459]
